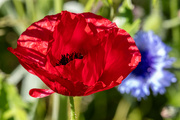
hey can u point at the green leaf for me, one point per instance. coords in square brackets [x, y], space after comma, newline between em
[153, 22]
[154, 2]
[124, 19]
[30, 10]
[89, 5]
[110, 2]
[124, 14]
[11, 105]
[19, 8]
[122, 110]
[134, 27]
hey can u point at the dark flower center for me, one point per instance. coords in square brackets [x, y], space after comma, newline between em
[69, 57]
[145, 67]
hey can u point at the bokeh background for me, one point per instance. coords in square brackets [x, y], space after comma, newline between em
[160, 16]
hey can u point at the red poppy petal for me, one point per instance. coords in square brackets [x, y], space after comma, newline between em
[78, 36]
[121, 59]
[40, 93]
[108, 53]
[28, 61]
[32, 49]
[88, 70]
[98, 21]
[38, 35]
[122, 56]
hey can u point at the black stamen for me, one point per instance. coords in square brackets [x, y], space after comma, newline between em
[69, 57]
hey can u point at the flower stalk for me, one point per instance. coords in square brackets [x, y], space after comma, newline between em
[55, 110]
[71, 99]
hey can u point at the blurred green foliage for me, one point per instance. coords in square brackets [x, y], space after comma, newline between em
[161, 16]
[11, 105]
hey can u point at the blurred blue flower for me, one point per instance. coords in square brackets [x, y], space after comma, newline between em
[151, 72]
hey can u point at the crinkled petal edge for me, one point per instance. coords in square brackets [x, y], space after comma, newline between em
[40, 93]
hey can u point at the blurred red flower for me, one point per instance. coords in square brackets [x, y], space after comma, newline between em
[76, 54]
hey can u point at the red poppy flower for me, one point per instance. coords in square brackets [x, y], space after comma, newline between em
[76, 54]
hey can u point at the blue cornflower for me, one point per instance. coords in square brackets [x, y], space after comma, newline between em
[151, 73]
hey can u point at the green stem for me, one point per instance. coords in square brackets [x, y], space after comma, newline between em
[58, 5]
[55, 109]
[63, 108]
[72, 108]
[89, 5]
[111, 13]
[174, 22]
[19, 8]
[175, 30]
[59, 110]
[174, 69]
[30, 10]
[122, 110]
